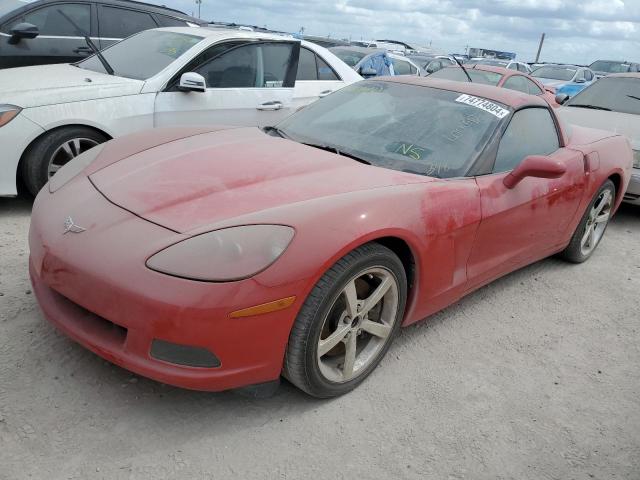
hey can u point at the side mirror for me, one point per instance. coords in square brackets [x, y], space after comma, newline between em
[562, 98]
[581, 80]
[432, 69]
[23, 30]
[534, 166]
[368, 72]
[192, 82]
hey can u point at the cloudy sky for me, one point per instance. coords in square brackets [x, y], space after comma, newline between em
[577, 30]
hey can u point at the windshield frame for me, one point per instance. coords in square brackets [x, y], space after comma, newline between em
[477, 164]
[121, 75]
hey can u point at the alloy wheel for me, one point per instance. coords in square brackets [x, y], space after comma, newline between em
[358, 324]
[596, 222]
[66, 152]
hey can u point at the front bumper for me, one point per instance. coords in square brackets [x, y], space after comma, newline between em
[94, 286]
[632, 194]
[15, 137]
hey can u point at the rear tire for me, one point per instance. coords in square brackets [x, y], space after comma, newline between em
[347, 322]
[591, 228]
[52, 150]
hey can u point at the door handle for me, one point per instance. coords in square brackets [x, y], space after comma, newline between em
[82, 50]
[275, 105]
[325, 93]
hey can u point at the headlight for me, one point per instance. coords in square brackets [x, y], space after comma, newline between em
[8, 113]
[74, 167]
[224, 255]
[636, 159]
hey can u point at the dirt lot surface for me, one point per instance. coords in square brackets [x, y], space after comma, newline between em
[534, 377]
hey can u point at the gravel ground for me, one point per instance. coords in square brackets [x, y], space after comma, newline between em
[536, 376]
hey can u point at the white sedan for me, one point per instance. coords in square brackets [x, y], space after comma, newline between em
[161, 77]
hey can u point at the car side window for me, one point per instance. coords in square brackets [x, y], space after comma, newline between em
[531, 131]
[248, 66]
[325, 72]
[513, 66]
[580, 75]
[307, 69]
[533, 88]
[588, 75]
[166, 21]
[516, 82]
[51, 21]
[120, 23]
[400, 67]
[522, 68]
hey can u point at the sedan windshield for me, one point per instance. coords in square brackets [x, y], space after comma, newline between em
[410, 128]
[493, 63]
[143, 55]
[478, 76]
[619, 94]
[555, 73]
[610, 67]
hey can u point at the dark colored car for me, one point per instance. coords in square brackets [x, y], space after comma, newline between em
[602, 68]
[51, 31]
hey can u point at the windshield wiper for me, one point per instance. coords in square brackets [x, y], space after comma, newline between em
[329, 148]
[634, 97]
[277, 131]
[592, 107]
[89, 42]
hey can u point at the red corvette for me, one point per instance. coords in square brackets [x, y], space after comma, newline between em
[219, 257]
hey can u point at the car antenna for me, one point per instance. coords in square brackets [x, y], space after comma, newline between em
[89, 42]
[461, 66]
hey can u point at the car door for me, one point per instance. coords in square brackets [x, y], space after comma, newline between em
[528, 222]
[248, 84]
[115, 23]
[315, 79]
[58, 40]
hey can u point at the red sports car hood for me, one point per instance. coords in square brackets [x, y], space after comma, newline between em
[193, 182]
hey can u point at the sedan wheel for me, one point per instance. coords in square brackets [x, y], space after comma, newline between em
[347, 323]
[68, 151]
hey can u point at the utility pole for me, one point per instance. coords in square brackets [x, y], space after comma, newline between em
[540, 48]
[199, 3]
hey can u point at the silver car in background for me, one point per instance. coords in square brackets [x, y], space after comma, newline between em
[612, 103]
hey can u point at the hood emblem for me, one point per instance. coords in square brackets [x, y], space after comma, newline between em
[69, 226]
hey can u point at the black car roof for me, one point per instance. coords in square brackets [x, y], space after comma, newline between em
[160, 9]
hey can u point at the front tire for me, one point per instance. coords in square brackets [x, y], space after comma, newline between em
[347, 323]
[53, 150]
[591, 228]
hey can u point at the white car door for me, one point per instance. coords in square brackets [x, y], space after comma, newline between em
[248, 83]
[315, 79]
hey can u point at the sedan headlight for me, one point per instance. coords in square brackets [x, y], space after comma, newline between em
[636, 159]
[8, 113]
[224, 255]
[74, 167]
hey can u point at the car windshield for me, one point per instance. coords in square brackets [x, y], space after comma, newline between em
[619, 94]
[7, 6]
[410, 128]
[350, 57]
[493, 63]
[143, 55]
[478, 76]
[555, 73]
[610, 67]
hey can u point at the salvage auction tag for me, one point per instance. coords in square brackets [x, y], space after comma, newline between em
[482, 104]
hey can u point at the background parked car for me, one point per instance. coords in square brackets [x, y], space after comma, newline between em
[368, 61]
[162, 77]
[37, 33]
[602, 68]
[431, 63]
[612, 103]
[496, 62]
[499, 77]
[567, 79]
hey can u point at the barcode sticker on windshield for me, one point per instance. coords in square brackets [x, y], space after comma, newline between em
[482, 104]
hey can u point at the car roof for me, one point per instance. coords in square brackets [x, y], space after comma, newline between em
[505, 96]
[161, 9]
[223, 33]
[355, 48]
[624, 75]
